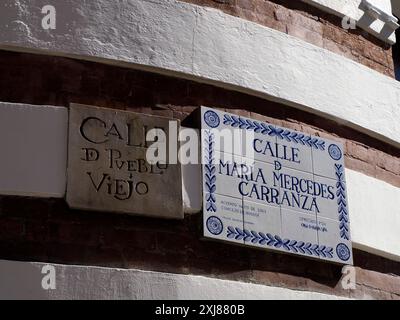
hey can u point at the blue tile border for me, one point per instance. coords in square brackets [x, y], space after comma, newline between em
[209, 172]
[342, 202]
[277, 242]
[272, 131]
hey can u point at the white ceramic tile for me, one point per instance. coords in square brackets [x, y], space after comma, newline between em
[226, 221]
[299, 226]
[221, 172]
[229, 170]
[248, 138]
[301, 230]
[327, 199]
[264, 147]
[261, 223]
[325, 161]
[256, 185]
[293, 149]
[295, 190]
[330, 234]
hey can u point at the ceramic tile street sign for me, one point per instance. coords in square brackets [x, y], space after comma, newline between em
[107, 166]
[284, 190]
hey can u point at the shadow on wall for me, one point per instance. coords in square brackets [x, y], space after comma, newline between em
[21, 281]
[396, 55]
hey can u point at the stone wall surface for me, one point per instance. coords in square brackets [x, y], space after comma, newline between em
[210, 46]
[64, 81]
[312, 25]
[22, 280]
[47, 230]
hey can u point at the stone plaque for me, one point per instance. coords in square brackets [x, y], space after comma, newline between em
[107, 165]
[274, 188]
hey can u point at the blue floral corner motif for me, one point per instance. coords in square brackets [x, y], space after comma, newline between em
[335, 152]
[343, 252]
[215, 225]
[211, 118]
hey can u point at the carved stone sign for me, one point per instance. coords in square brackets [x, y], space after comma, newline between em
[108, 169]
[274, 188]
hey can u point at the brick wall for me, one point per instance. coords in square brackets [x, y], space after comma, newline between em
[47, 230]
[36, 79]
[312, 25]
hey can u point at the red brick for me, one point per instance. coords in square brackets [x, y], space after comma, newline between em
[363, 292]
[270, 22]
[129, 238]
[388, 163]
[246, 5]
[361, 152]
[305, 34]
[11, 228]
[48, 229]
[387, 176]
[266, 8]
[379, 281]
[361, 166]
[314, 26]
[302, 21]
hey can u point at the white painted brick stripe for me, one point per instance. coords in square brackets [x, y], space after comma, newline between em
[22, 280]
[33, 144]
[171, 37]
[374, 207]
